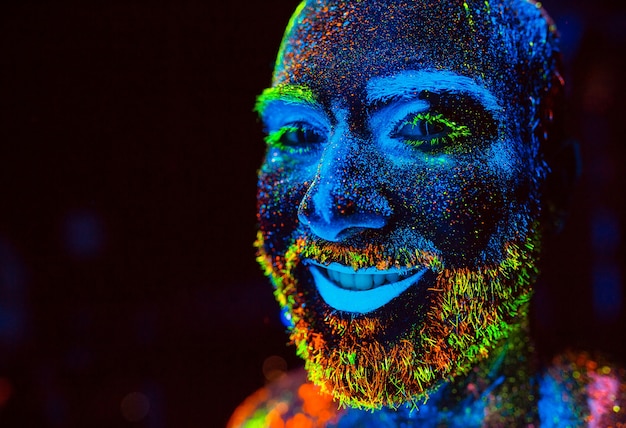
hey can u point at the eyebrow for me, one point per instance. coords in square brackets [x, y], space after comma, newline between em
[290, 94]
[409, 84]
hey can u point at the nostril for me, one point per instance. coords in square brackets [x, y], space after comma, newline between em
[339, 228]
[349, 232]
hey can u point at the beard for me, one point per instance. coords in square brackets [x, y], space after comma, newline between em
[433, 332]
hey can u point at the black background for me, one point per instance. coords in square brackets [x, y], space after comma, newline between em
[128, 157]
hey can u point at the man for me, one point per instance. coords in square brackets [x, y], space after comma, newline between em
[413, 171]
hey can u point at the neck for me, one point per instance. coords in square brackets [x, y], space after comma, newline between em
[498, 390]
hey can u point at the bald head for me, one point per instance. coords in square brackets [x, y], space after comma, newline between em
[337, 46]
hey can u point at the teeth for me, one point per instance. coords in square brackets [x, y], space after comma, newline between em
[334, 275]
[379, 280]
[346, 290]
[361, 281]
[347, 279]
[392, 277]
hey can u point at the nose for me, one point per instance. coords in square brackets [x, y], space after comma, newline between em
[345, 197]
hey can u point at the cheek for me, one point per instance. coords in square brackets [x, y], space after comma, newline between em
[475, 211]
[278, 196]
[458, 207]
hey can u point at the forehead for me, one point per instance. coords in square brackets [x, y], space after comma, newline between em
[336, 48]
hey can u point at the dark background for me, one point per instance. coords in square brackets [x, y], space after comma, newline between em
[129, 294]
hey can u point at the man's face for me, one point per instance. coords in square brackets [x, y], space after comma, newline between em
[399, 197]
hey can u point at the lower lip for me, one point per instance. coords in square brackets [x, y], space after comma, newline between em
[360, 301]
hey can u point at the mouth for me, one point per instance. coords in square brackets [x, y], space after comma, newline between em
[363, 290]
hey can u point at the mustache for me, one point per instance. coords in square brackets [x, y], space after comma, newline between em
[409, 252]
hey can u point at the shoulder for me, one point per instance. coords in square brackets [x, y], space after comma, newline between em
[579, 387]
[290, 401]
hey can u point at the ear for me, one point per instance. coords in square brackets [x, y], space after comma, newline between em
[561, 153]
[565, 169]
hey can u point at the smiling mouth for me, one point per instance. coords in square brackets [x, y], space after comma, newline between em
[363, 290]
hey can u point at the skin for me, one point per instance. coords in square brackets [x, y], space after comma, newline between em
[402, 204]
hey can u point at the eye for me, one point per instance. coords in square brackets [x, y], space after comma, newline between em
[429, 131]
[295, 138]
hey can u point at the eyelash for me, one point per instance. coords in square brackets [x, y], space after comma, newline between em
[275, 138]
[448, 133]
[451, 131]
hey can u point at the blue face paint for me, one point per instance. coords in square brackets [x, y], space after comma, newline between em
[400, 199]
[406, 84]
